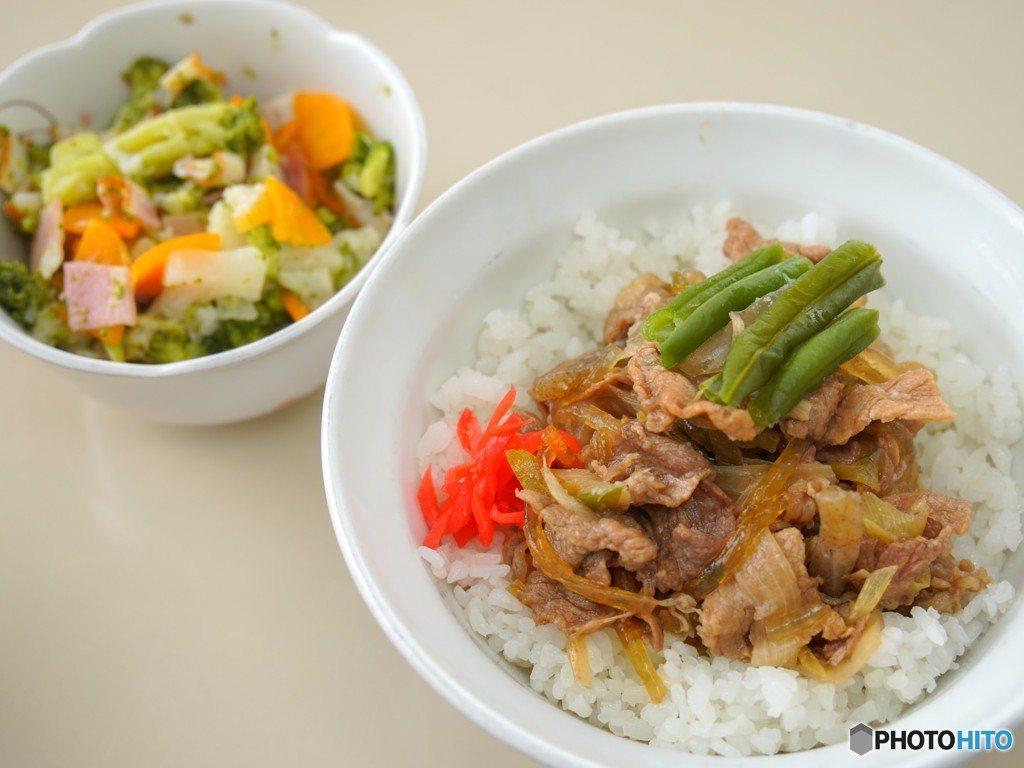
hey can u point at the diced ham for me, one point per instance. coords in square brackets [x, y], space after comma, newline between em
[98, 295]
[47, 253]
[124, 198]
[295, 168]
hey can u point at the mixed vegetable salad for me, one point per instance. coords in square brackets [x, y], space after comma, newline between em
[196, 222]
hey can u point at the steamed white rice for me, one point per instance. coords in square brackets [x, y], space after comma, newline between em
[716, 705]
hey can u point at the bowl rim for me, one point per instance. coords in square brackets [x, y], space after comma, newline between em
[404, 211]
[464, 698]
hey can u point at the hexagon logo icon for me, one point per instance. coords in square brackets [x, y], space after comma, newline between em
[862, 738]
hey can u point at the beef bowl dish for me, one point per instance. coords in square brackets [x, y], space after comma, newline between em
[700, 452]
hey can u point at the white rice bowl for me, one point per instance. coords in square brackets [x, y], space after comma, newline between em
[460, 273]
[717, 705]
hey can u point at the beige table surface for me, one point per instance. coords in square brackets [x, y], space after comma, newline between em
[175, 597]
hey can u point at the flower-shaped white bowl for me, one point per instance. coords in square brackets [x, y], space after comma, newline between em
[953, 244]
[265, 48]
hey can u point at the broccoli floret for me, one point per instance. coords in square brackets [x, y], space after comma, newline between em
[50, 328]
[176, 197]
[370, 171]
[262, 238]
[377, 180]
[156, 339]
[331, 220]
[149, 150]
[197, 92]
[229, 334]
[23, 294]
[143, 78]
[244, 128]
[350, 265]
[38, 160]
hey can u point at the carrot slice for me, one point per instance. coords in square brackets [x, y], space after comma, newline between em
[292, 220]
[294, 306]
[11, 210]
[325, 128]
[286, 134]
[78, 216]
[110, 335]
[324, 193]
[148, 269]
[101, 243]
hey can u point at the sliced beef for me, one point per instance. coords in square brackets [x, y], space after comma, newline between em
[912, 395]
[736, 423]
[836, 650]
[813, 252]
[662, 394]
[656, 469]
[773, 580]
[800, 507]
[912, 557]
[596, 566]
[515, 553]
[641, 296]
[552, 603]
[725, 618]
[890, 448]
[576, 534]
[741, 238]
[688, 537]
[943, 511]
[951, 580]
[815, 412]
[666, 396]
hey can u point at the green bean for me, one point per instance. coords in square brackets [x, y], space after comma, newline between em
[811, 362]
[660, 324]
[806, 306]
[713, 313]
